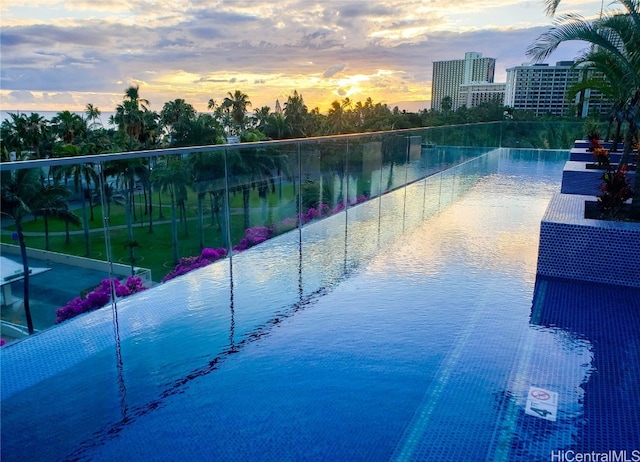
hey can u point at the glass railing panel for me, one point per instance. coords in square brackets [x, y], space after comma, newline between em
[391, 216]
[414, 204]
[432, 193]
[448, 180]
[484, 135]
[454, 135]
[61, 230]
[193, 323]
[263, 193]
[323, 254]
[208, 227]
[249, 173]
[363, 230]
[283, 196]
[542, 135]
[324, 178]
[266, 285]
[415, 169]
[364, 168]
[125, 197]
[394, 161]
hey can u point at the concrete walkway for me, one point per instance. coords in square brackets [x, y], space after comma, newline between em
[49, 291]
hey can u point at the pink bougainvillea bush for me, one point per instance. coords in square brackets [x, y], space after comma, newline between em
[99, 297]
[258, 234]
[186, 264]
[253, 236]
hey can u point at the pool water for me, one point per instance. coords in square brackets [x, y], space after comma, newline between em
[411, 335]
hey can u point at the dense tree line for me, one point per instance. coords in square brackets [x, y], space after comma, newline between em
[136, 126]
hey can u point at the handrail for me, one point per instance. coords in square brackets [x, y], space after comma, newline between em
[34, 163]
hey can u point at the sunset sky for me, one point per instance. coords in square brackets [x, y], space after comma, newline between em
[58, 55]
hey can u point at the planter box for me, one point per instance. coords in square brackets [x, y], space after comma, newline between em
[578, 179]
[574, 247]
[586, 144]
[582, 155]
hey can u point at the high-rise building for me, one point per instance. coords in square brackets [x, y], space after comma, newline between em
[474, 94]
[449, 75]
[543, 89]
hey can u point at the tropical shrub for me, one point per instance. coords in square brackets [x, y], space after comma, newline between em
[601, 156]
[186, 264]
[99, 297]
[254, 236]
[615, 190]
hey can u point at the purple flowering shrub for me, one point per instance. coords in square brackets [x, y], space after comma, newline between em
[2, 342]
[186, 264]
[99, 297]
[254, 236]
[321, 211]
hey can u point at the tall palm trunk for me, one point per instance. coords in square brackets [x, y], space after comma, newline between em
[25, 281]
[45, 218]
[160, 214]
[130, 236]
[246, 191]
[85, 224]
[150, 208]
[174, 229]
[201, 219]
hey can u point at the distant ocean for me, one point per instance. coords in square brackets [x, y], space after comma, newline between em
[104, 116]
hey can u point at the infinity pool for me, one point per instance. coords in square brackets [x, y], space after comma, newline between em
[411, 329]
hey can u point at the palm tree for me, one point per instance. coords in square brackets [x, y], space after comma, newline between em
[82, 174]
[68, 125]
[93, 115]
[251, 168]
[23, 195]
[615, 40]
[126, 172]
[172, 176]
[207, 170]
[35, 131]
[151, 135]
[296, 115]
[129, 116]
[12, 133]
[261, 116]
[276, 126]
[175, 114]
[237, 104]
[201, 131]
[133, 94]
[339, 117]
[598, 64]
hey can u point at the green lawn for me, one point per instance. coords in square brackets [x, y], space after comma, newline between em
[155, 249]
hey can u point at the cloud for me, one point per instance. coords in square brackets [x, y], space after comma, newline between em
[333, 70]
[266, 49]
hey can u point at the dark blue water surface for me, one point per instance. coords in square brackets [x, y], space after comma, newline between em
[410, 328]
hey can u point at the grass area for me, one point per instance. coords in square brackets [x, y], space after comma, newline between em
[155, 248]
